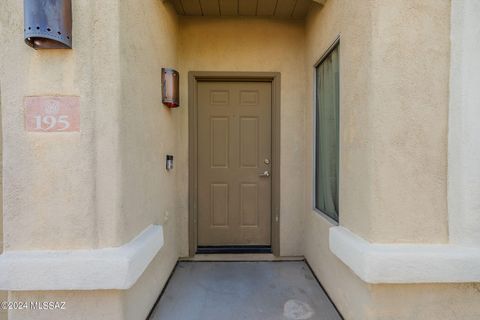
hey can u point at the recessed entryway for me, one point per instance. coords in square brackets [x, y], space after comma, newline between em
[244, 290]
[234, 162]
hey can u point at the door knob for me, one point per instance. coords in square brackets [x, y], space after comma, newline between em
[265, 174]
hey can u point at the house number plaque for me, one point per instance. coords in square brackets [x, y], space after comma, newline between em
[52, 113]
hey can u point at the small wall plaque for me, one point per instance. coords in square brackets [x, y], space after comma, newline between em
[52, 113]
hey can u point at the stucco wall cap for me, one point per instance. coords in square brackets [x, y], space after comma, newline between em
[405, 263]
[108, 268]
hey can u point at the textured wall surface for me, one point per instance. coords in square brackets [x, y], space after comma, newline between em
[60, 187]
[148, 42]
[410, 56]
[394, 101]
[147, 127]
[242, 44]
[54, 192]
[353, 21]
[424, 301]
[101, 186]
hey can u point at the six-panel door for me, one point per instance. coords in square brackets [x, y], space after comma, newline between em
[234, 163]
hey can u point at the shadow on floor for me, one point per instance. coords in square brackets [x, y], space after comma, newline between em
[244, 290]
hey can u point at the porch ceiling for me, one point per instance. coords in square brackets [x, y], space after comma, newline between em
[264, 8]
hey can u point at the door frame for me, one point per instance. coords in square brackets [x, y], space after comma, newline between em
[198, 76]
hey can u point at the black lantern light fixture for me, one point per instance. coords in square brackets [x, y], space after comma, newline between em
[48, 24]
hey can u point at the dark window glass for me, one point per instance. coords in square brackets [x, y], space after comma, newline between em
[327, 135]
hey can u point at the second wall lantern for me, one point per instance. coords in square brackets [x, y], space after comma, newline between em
[170, 88]
[48, 24]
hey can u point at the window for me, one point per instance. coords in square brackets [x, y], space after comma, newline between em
[327, 134]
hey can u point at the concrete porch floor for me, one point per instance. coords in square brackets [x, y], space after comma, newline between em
[243, 290]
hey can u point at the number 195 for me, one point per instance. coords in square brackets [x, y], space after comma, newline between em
[50, 122]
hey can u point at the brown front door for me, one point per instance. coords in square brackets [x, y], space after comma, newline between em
[234, 163]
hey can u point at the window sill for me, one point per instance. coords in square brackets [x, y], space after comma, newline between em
[405, 263]
[96, 269]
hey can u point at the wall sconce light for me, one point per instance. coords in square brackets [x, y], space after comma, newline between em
[170, 88]
[48, 24]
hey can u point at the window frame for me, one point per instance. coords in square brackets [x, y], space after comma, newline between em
[333, 46]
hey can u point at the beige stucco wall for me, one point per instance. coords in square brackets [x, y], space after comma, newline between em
[57, 186]
[148, 129]
[394, 100]
[82, 190]
[251, 44]
[425, 301]
[353, 21]
[410, 82]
